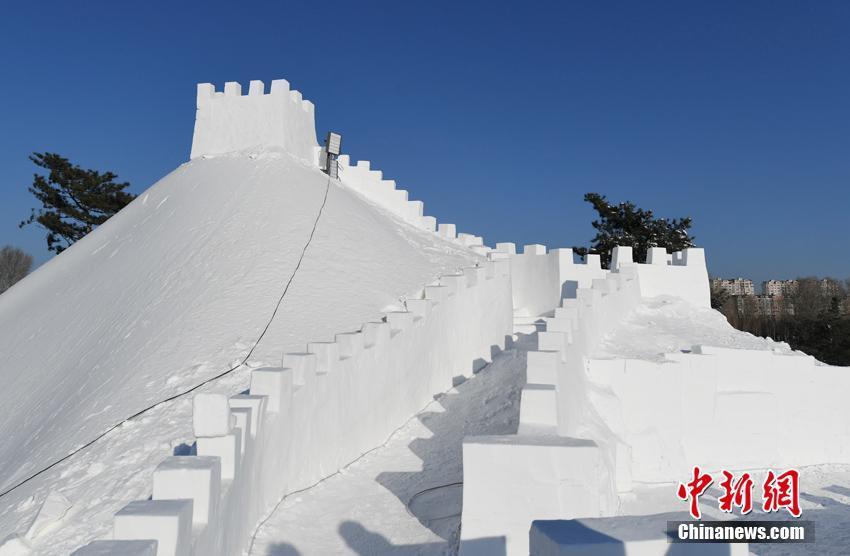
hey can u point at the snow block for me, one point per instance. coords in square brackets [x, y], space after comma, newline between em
[274, 383]
[302, 365]
[482, 250]
[256, 88]
[465, 239]
[693, 256]
[551, 341]
[542, 367]
[448, 231]
[593, 260]
[280, 87]
[118, 548]
[627, 535]
[350, 344]
[399, 320]
[657, 255]
[534, 249]
[232, 89]
[538, 410]
[559, 324]
[257, 405]
[416, 208]
[227, 448]
[567, 484]
[621, 256]
[429, 223]
[454, 282]
[375, 334]
[419, 307]
[195, 478]
[168, 522]
[436, 293]
[211, 415]
[327, 356]
[506, 247]
[242, 421]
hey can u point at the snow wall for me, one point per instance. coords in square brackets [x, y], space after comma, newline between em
[321, 410]
[591, 429]
[324, 407]
[541, 278]
[229, 121]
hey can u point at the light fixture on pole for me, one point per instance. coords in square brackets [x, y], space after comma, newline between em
[333, 143]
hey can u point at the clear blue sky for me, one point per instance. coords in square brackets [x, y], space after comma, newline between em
[499, 116]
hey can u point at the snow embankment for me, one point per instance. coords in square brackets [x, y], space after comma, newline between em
[173, 290]
[667, 324]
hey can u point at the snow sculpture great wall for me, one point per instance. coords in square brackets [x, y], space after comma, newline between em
[269, 231]
[338, 309]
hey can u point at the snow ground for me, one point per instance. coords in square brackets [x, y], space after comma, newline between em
[186, 278]
[669, 325]
[406, 496]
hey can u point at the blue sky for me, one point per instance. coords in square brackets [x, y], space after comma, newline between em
[500, 116]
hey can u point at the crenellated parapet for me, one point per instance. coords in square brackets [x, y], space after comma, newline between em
[317, 412]
[230, 121]
[370, 183]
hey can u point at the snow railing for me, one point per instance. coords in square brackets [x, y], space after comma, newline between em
[319, 411]
[229, 121]
[371, 184]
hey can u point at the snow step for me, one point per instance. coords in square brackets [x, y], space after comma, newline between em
[195, 478]
[538, 410]
[168, 522]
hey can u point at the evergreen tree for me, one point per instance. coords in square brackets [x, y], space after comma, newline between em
[74, 201]
[627, 225]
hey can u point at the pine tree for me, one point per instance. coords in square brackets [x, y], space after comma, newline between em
[74, 201]
[627, 225]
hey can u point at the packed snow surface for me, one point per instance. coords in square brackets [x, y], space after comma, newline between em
[406, 496]
[175, 289]
[665, 324]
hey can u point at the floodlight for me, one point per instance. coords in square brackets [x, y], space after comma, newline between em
[333, 142]
[333, 168]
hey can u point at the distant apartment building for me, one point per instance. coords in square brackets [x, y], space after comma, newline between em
[734, 286]
[830, 287]
[780, 288]
[763, 305]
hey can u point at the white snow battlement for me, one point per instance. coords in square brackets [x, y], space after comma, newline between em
[229, 121]
[371, 184]
[351, 393]
[543, 277]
